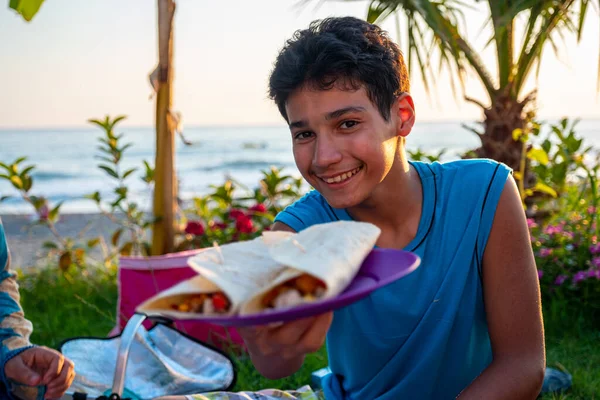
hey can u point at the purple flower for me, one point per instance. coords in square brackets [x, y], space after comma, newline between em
[560, 280]
[545, 252]
[580, 276]
[591, 273]
[551, 229]
[531, 223]
[596, 262]
[595, 248]
[540, 273]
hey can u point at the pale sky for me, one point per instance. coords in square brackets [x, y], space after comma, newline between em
[83, 59]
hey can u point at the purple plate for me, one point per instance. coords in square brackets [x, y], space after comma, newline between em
[381, 267]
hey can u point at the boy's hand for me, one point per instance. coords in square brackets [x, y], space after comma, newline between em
[278, 351]
[41, 366]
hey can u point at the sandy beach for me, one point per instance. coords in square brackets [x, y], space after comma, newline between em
[25, 240]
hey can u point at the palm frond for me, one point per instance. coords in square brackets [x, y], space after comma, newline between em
[549, 18]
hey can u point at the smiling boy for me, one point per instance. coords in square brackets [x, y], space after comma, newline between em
[467, 323]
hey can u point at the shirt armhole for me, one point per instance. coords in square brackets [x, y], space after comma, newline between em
[488, 210]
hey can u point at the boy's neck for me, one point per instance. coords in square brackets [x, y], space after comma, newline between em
[395, 205]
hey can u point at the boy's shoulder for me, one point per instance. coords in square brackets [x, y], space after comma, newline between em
[473, 171]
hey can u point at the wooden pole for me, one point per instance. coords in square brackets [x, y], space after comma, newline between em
[165, 187]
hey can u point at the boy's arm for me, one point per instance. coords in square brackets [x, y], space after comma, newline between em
[14, 328]
[279, 351]
[513, 308]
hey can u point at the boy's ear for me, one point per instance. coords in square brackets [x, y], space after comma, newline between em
[405, 113]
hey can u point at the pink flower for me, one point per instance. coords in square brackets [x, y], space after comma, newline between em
[260, 208]
[244, 225]
[580, 276]
[592, 273]
[591, 210]
[551, 229]
[560, 280]
[194, 228]
[545, 252]
[531, 223]
[43, 212]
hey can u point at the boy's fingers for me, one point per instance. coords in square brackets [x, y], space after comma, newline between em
[55, 368]
[61, 383]
[314, 338]
[290, 334]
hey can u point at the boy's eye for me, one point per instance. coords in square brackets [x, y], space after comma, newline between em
[348, 124]
[302, 135]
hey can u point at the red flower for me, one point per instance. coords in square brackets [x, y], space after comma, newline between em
[260, 208]
[194, 228]
[244, 225]
[217, 226]
[236, 214]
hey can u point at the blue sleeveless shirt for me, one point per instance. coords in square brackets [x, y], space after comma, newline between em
[424, 336]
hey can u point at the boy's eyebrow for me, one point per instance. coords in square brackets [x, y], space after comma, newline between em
[330, 116]
[298, 124]
[342, 111]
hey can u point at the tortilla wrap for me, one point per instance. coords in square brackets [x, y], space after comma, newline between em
[238, 269]
[162, 303]
[331, 252]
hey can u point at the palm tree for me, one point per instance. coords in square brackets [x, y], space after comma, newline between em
[507, 107]
[165, 185]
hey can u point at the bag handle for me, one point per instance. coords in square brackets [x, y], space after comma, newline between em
[127, 337]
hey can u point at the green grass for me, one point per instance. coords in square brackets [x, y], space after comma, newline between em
[62, 306]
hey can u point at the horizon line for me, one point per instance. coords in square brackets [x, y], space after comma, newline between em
[265, 125]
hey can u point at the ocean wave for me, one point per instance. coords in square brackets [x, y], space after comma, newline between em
[55, 175]
[244, 164]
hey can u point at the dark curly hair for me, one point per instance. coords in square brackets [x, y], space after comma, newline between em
[343, 51]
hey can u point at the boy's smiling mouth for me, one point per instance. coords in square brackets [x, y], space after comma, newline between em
[340, 178]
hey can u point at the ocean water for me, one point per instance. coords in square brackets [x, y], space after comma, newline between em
[66, 167]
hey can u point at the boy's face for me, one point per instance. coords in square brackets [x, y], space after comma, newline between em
[342, 145]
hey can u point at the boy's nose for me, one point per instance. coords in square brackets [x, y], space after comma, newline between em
[326, 153]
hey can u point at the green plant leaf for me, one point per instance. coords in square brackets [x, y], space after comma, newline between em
[16, 181]
[109, 170]
[538, 155]
[53, 214]
[65, 261]
[115, 237]
[49, 245]
[129, 172]
[126, 250]
[19, 160]
[517, 134]
[27, 183]
[541, 187]
[121, 191]
[27, 170]
[93, 242]
[26, 8]
[93, 196]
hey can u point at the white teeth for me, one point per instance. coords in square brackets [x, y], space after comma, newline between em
[342, 177]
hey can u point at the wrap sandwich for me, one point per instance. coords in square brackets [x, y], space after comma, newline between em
[228, 276]
[321, 261]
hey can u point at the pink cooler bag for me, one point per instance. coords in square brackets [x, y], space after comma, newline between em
[140, 278]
